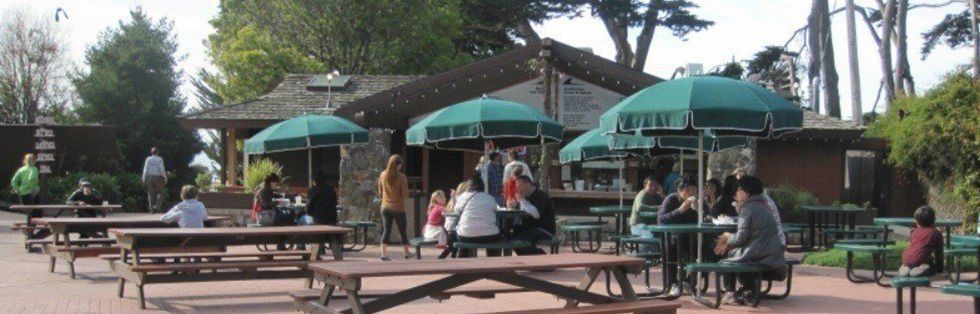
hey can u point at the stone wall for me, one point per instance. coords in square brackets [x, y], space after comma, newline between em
[360, 166]
[724, 163]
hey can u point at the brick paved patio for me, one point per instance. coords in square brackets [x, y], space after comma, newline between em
[27, 287]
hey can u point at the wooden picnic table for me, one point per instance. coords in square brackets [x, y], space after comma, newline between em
[60, 208]
[133, 242]
[348, 276]
[62, 246]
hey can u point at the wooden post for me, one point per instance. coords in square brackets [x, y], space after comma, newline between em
[425, 169]
[852, 57]
[231, 150]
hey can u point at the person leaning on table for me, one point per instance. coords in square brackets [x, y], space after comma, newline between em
[189, 213]
[755, 242]
[85, 195]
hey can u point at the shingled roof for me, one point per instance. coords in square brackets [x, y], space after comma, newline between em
[291, 98]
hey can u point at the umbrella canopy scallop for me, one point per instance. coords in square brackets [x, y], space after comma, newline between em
[689, 105]
[594, 145]
[469, 124]
[670, 145]
[305, 132]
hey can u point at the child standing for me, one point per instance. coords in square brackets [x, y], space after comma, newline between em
[433, 227]
[190, 213]
[924, 256]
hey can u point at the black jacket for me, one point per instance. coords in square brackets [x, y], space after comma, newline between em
[546, 210]
[323, 204]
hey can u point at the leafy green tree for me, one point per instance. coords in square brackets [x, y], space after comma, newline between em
[257, 42]
[936, 136]
[131, 84]
[953, 31]
[731, 70]
[619, 16]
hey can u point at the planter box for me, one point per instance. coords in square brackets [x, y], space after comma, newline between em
[227, 200]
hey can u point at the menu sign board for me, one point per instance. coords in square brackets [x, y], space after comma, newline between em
[44, 144]
[580, 103]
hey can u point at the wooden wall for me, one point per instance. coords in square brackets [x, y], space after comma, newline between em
[816, 166]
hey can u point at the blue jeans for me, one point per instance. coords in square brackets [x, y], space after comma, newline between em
[639, 231]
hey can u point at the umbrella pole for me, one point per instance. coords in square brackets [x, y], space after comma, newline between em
[682, 166]
[700, 190]
[485, 168]
[309, 167]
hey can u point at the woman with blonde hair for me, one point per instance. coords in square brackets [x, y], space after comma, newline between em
[393, 187]
[26, 184]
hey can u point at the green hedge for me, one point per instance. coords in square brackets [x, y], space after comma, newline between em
[838, 258]
[125, 188]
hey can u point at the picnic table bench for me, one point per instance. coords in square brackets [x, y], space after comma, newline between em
[29, 226]
[134, 242]
[63, 246]
[347, 277]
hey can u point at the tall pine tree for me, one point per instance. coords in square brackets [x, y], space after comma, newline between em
[132, 85]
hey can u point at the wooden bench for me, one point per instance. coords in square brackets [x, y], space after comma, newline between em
[213, 255]
[137, 244]
[33, 212]
[347, 277]
[302, 298]
[63, 246]
[644, 307]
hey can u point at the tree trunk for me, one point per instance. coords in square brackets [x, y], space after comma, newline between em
[617, 30]
[645, 37]
[828, 67]
[901, 47]
[885, 50]
[813, 67]
[976, 39]
[852, 58]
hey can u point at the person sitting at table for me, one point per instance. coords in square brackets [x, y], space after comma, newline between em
[679, 208]
[322, 205]
[924, 255]
[477, 218]
[541, 225]
[451, 221]
[773, 209]
[712, 191]
[725, 206]
[264, 197]
[756, 240]
[189, 213]
[651, 196]
[511, 193]
[433, 225]
[84, 195]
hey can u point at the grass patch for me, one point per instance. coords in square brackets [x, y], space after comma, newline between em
[838, 258]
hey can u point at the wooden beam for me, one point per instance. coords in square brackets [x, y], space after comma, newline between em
[231, 151]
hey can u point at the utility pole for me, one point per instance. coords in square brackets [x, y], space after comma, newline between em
[852, 56]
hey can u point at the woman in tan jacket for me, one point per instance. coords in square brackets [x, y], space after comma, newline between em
[393, 187]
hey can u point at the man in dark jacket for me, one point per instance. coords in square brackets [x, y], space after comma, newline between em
[540, 226]
[680, 207]
[323, 201]
[85, 195]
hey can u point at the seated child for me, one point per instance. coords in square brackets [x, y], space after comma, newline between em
[511, 194]
[433, 227]
[924, 256]
[188, 214]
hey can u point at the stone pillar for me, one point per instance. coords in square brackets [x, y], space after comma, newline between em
[360, 166]
[724, 163]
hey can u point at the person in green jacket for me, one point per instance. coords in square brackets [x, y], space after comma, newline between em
[25, 181]
[26, 184]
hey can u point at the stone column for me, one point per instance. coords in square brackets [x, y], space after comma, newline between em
[231, 156]
[724, 163]
[360, 166]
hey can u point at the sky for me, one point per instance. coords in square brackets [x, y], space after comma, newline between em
[742, 27]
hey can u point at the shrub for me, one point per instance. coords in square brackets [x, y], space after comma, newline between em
[124, 189]
[203, 181]
[789, 198]
[838, 258]
[260, 169]
[937, 136]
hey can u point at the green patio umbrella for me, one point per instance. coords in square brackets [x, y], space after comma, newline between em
[693, 105]
[665, 145]
[305, 133]
[472, 125]
[469, 125]
[593, 145]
